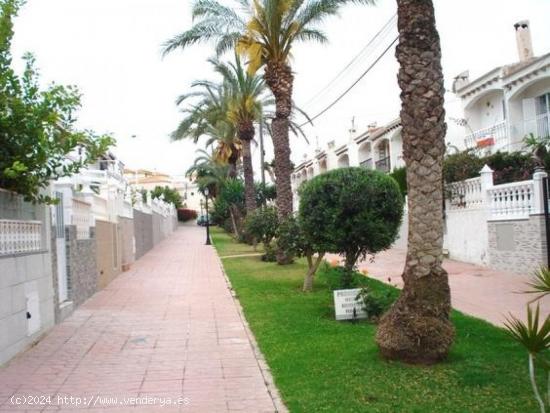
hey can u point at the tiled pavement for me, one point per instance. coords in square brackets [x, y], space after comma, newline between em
[475, 290]
[168, 328]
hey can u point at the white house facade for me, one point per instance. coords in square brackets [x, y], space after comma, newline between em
[509, 102]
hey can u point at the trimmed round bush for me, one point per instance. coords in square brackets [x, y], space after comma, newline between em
[351, 211]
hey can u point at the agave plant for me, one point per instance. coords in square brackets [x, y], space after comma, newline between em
[535, 337]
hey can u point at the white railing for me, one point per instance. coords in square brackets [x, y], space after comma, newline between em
[495, 137]
[511, 201]
[81, 218]
[18, 237]
[465, 194]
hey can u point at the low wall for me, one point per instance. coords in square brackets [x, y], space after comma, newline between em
[519, 245]
[157, 228]
[81, 266]
[128, 241]
[108, 252]
[466, 235]
[143, 232]
[26, 283]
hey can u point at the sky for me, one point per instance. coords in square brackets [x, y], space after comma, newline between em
[112, 51]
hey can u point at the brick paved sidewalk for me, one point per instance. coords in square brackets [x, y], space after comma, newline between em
[475, 290]
[168, 328]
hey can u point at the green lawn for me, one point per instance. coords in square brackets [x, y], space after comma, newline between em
[226, 246]
[321, 365]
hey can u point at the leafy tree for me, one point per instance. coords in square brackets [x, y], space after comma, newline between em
[265, 32]
[262, 224]
[265, 193]
[170, 195]
[37, 127]
[295, 242]
[351, 211]
[417, 328]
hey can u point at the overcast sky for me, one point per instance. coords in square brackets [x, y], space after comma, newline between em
[111, 51]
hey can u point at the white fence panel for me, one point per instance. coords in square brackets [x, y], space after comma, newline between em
[18, 237]
[466, 194]
[511, 201]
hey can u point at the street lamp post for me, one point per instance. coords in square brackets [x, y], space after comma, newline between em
[206, 193]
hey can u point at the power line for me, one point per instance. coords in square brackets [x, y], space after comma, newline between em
[353, 84]
[355, 59]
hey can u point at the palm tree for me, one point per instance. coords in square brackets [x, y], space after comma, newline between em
[265, 32]
[208, 117]
[417, 328]
[208, 172]
[246, 102]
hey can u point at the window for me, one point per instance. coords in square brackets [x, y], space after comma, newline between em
[543, 104]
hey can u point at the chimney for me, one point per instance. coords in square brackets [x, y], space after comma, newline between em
[461, 80]
[523, 40]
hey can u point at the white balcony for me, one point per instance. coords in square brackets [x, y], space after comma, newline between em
[495, 137]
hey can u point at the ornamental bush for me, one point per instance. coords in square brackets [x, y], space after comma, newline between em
[262, 225]
[185, 214]
[351, 211]
[507, 166]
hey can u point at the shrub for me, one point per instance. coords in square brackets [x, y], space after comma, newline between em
[185, 214]
[507, 167]
[294, 242]
[262, 224]
[228, 206]
[400, 176]
[168, 194]
[351, 211]
[375, 303]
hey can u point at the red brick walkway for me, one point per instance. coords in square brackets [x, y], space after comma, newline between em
[169, 328]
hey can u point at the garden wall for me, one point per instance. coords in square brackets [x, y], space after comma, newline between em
[466, 235]
[143, 232]
[128, 241]
[108, 252]
[157, 228]
[26, 279]
[82, 270]
[518, 245]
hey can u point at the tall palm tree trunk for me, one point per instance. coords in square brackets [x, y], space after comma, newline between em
[417, 328]
[246, 135]
[279, 79]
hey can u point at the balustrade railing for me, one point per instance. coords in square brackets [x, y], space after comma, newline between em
[465, 194]
[511, 201]
[19, 237]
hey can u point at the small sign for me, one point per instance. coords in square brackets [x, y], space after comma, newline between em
[347, 306]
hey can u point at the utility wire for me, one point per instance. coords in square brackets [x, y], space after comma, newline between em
[359, 55]
[353, 84]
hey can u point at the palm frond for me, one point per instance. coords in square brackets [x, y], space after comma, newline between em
[533, 335]
[540, 283]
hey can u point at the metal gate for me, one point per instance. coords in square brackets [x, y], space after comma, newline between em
[61, 249]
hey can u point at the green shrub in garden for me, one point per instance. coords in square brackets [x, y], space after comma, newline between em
[262, 225]
[351, 211]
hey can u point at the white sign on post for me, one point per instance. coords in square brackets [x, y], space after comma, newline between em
[347, 306]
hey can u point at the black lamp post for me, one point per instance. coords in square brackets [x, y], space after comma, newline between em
[206, 193]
